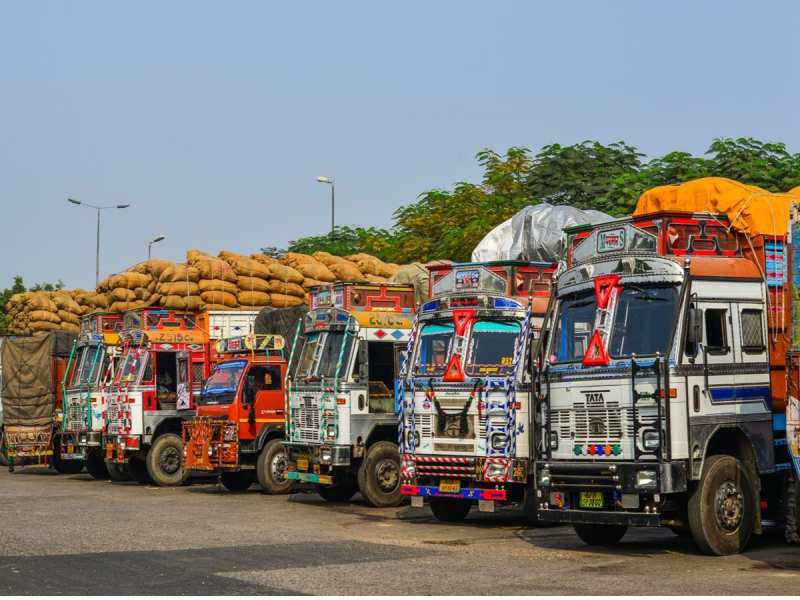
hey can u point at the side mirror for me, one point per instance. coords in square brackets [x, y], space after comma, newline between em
[694, 331]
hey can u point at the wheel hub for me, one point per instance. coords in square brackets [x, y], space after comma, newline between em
[170, 461]
[278, 467]
[387, 475]
[729, 505]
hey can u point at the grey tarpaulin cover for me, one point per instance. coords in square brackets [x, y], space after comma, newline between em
[28, 393]
[534, 233]
[281, 321]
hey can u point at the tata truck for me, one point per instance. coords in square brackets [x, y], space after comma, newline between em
[94, 360]
[341, 427]
[237, 430]
[663, 387]
[465, 389]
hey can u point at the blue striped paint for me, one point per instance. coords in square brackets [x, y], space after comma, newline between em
[779, 422]
[740, 394]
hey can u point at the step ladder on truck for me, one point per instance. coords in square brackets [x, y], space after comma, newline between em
[341, 427]
[464, 390]
[237, 432]
[664, 385]
[95, 360]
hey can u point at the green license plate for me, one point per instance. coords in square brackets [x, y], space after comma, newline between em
[591, 500]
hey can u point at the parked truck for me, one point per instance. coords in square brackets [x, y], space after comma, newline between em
[166, 356]
[341, 428]
[664, 383]
[238, 428]
[35, 369]
[464, 392]
[92, 367]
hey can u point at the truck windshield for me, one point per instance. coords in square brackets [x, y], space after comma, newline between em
[491, 349]
[89, 371]
[221, 386]
[130, 366]
[76, 368]
[435, 340]
[306, 362]
[643, 321]
[574, 327]
[321, 353]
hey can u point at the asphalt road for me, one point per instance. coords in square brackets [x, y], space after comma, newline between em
[73, 535]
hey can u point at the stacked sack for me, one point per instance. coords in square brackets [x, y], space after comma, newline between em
[312, 271]
[264, 279]
[373, 268]
[34, 313]
[178, 288]
[127, 290]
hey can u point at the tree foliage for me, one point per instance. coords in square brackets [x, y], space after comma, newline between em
[344, 241]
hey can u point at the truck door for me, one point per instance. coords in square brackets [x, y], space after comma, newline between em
[711, 387]
[751, 378]
[262, 399]
[184, 385]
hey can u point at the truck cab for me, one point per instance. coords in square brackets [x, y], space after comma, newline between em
[341, 428]
[94, 360]
[238, 428]
[153, 389]
[464, 396]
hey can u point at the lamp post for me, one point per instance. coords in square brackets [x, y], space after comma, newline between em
[99, 209]
[330, 181]
[155, 240]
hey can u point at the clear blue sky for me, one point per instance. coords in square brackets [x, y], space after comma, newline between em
[213, 119]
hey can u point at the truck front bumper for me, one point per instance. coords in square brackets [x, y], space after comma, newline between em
[316, 463]
[119, 448]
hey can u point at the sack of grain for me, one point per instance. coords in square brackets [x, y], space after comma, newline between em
[254, 299]
[173, 302]
[214, 268]
[68, 317]
[217, 285]
[293, 259]
[122, 295]
[286, 287]
[375, 278]
[40, 301]
[249, 267]
[310, 283]
[253, 284]
[100, 301]
[193, 255]
[345, 271]
[179, 288]
[264, 259]
[284, 273]
[120, 307]
[44, 315]
[153, 267]
[38, 326]
[214, 307]
[326, 258]
[284, 301]
[64, 301]
[179, 272]
[224, 298]
[316, 270]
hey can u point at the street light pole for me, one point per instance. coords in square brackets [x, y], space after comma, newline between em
[330, 181]
[97, 245]
[155, 240]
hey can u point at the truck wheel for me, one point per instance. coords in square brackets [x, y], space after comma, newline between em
[271, 468]
[163, 461]
[95, 465]
[3, 457]
[600, 535]
[338, 492]
[116, 471]
[137, 469]
[450, 510]
[722, 507]
[237, 481]
[792, 506]
[64, 467]
[379, 476]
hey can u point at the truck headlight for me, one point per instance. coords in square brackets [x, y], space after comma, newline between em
[326, 456]
[330, 432]
[650, 440]
[495, 470]
[553, 441]
[413, 438]
[544, 478]
[646, 480]
[122, 445]
[499, 441]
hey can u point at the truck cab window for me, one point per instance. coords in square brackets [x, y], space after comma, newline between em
[381, 376]
[266, 378]
[716, 330]
[166, 379]
[752, 331]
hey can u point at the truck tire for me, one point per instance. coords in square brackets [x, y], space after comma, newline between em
[237, 481]
[722, 507]
[339, 492]
[600, 535]
[3, 457]
[95, 465]
[379, 476]
[64, 467]
[117, 472]
[271, 468]
[450, 510]
[792, 506]
[137, 469]
[164, 461]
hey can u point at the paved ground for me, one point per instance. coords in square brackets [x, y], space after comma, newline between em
[72, 535]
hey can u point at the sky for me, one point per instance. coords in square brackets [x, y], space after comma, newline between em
[213, 119]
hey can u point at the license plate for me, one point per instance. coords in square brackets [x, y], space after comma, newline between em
[302, 464]
[591, 500]
[450, 486]
[70, 449]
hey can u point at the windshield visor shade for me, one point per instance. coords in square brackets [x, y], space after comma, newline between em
[643, 321]
[491, 349]
[221, 386]
[434, 344]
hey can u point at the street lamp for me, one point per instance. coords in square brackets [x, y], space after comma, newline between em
[98, 209]
[329, 181]
[155, 240]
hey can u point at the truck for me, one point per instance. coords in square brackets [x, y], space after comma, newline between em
[35, 369]
[341, 427]
[237, 432]
[166, 356]
[663, 386]
[465, 391]
[94, 360]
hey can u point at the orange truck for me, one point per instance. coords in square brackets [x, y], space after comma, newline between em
[238, 428]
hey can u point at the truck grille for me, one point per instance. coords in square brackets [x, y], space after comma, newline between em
[305, 420]
[606, 424]
[115, 420]
[76, 414]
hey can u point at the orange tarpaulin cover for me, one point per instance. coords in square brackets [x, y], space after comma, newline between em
[749, 208]
[795, 191]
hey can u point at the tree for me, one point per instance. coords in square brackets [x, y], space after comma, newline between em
[344, 241]
[765, 164]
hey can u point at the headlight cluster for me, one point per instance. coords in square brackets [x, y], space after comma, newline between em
[330, 432]
[499, 441]
[413, 438]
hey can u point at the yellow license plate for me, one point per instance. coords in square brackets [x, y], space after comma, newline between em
[450, 486]
[70, 449]
[591, 500]
[302, 464]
